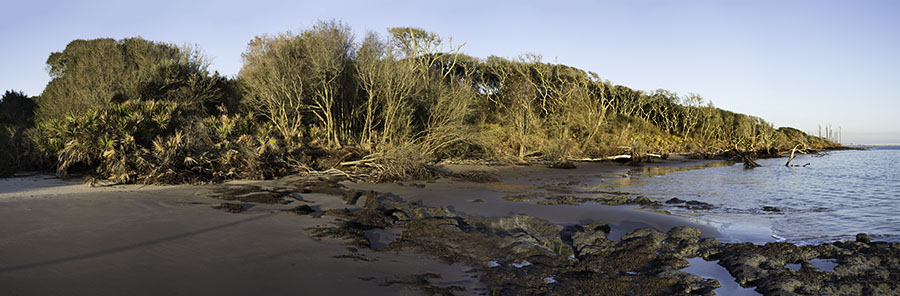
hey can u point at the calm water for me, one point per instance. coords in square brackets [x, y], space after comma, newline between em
[833, 197]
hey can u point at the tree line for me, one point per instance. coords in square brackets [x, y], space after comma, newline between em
[134, 110]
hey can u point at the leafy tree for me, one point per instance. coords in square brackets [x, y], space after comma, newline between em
[17, 108]
[95, 73]
[16, 117]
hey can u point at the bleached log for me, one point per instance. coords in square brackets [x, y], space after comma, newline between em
[794, 150]
[613, 157]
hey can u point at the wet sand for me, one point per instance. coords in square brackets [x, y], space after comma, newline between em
[64, 238]
[485, 199]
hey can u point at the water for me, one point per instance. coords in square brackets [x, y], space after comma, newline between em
[826, 198]
[711, 269]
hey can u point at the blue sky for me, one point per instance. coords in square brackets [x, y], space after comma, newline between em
[793, 63]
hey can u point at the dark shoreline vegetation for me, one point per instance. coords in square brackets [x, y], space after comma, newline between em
[383, 108]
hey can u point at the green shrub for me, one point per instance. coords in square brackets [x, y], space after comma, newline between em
[158, 142]
[17, 151]
[94, 73]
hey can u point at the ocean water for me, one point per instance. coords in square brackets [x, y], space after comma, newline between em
[825, 198]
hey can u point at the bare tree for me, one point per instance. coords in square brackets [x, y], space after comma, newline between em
[275, 82]
[327, 46]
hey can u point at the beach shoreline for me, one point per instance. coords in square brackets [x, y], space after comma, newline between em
[138, 239]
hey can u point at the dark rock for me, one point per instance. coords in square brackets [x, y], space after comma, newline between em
[351, 197]
[590, 239]
[254, 194]
[560, 260]
[708, 247]
[684, 233]
[675, 200]
[536, 233]
[568, 165]
[517, 197]
[698, 205]
[863, 238]
[474, 176]
[860, 268]
[323, 186]
[618, 200]
[302, 210]
[597, 226]
[690, 204]
[644, 201]
[771, 209]
[478, 200]
[230, 207]
[563, 200]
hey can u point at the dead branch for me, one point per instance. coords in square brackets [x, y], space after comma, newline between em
[614, 157]
[794, 150]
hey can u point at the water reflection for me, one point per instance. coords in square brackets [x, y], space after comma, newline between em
[659, 170]
[652, 171]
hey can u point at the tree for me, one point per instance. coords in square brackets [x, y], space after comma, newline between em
[94, 73]
[275, 82]
[389, 83]
[692, 113]
[426, 48]
[17, 108]
[328, 61]
[16, 116]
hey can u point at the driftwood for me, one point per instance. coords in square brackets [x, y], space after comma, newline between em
[748, 157]
[794, 150]
[614, 157]
[749, 162]
[356, 162]
[368, 160]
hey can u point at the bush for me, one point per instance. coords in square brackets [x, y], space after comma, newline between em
[16, 118]
[159, 142]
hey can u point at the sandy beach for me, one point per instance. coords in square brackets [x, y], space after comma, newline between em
[64, 238]
[528, 230]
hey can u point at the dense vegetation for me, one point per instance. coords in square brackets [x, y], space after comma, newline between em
[134, 110]
[16, 118]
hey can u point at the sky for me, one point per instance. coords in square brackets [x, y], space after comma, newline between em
[802, 64]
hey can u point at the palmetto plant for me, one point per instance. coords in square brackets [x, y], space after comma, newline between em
[157, 142]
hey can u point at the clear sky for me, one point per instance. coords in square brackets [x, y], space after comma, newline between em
[793, 63]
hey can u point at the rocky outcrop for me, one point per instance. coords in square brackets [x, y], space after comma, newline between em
[861, 268]
[521, 255]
